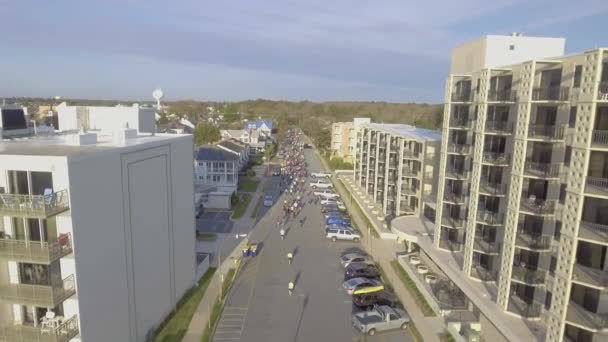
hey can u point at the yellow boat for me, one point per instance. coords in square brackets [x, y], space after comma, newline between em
[370, 289]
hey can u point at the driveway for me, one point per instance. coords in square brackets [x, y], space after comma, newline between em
[214, 222]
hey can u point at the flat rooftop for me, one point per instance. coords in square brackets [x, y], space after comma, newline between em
[65, 144]
[406, 131]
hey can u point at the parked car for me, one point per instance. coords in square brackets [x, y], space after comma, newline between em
[367, 301]
[332, 201]
[354, 284]
[361, 272]
[381, 318]
[335, 214]
[332, 207]
[320, 175]
[321, 185]
[348, 259]
[336, 226]
[338, 220]
[326, 194]
[342, 234]
[268, 201]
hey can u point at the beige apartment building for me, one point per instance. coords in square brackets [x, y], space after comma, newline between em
[340, 140]
[395, 165]
[523, 185]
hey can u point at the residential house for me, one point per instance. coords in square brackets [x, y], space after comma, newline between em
[216, 172]
[238, 148]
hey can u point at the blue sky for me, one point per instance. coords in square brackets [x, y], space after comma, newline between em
[386, 50]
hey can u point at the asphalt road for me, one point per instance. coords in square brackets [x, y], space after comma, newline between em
[259, 308]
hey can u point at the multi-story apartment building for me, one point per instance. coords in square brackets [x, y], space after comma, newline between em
[523, 186]
[396, 166]
[96, 235]
[340, 139]
[217, 176]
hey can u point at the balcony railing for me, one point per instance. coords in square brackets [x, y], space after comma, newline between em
[591, 276]
[66, 331]
[496, 158]
[34, 206]
[451, 245]
[485, 246]
[504, 95]
[538, 206]
[602, 91]
[593, 231]
[459, 148]
[457, 173]
[411, 155]
[450, 196]
[496, 189]
[38, 295]
[453, 222]
[599, 137]
[462, 97]
[597, 185]
[407, 172]
[463, 123]
[550, 93]
[489, 217]
[408, 190]
[407, 209]
[483, 274]
[36, 251]
[578, 315]
[499, 127]
[523, 309]
[544, 170]
[532, 241]
[528, 275]
[546, 132]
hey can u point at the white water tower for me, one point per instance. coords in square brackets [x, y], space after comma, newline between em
[158, 94]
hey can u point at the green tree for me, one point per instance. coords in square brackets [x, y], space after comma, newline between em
[206, 133]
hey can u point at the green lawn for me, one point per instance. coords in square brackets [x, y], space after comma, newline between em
[206, 236]
[411, 286]
[218, 307]
[239, 208]
[248, 184]
[175, 326]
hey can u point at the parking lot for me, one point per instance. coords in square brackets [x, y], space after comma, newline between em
[214, 222]
[259, 307]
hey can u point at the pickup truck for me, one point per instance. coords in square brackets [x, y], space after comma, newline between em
[321, 185]
[320, 175]
[380, 318]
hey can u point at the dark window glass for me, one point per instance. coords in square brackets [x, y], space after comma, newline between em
[578, 70]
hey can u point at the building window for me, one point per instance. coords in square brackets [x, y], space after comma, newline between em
[572, 120]
[578, 71]
[230, 179]
[512, 47]
[229, 167]
[217, 178]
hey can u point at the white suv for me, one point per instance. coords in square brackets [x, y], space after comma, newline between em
[321, 185]
[320, 175]
[342, 234]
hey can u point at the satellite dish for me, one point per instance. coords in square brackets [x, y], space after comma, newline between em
[158, 94]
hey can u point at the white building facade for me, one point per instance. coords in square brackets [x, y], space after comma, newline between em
[96, 235]
[75, 118]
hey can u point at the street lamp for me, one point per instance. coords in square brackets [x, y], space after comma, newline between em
[219, 261]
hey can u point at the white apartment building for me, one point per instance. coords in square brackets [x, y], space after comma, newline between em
[523, 186]
[396, 165]
[75, 118]
[217, 175]
[96, 235]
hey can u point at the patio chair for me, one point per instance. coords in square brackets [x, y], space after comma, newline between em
[49, 197]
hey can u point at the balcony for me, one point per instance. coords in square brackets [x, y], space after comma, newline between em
[34, 206]
[499, 127]
[454, 246]
[552, 94]
[460, 123]
[504, 95]
[462, 97]
[453, 197]
[592, 231]
[456, 173]
[406, 209]
[486, 247]
[409, 173]
[546, 132]
[481, 273]
[459, 148]
[38, 295]
[411, 155]
[592, 277]
[538, 206]
[542, 170]
[528, 276]
[37, 252]
[25, 333]
[406, 190]
[452, 222]
[492, 189]
[599, 137]
[532, 241]
[523, 309]
[597, 186]
[489, 217]
[496, 158]
[602, 91]
[582, 317]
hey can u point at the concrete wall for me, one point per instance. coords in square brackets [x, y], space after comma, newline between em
[107, 118]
